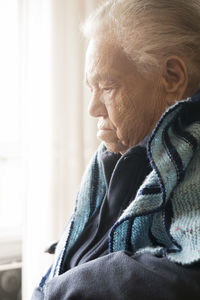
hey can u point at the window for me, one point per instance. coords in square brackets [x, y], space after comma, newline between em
[11, 157]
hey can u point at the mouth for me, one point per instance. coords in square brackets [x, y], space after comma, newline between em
[104, 129]
[102, 126]
[106, 134]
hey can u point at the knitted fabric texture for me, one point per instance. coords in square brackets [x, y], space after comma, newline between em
[164, 217]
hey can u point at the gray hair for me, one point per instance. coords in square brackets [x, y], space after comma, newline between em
[150, 30]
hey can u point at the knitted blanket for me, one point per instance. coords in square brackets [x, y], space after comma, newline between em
[164, 217]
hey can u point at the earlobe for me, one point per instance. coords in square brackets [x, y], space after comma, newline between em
[175, 78]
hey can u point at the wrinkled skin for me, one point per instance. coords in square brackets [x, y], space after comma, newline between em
[127, 103]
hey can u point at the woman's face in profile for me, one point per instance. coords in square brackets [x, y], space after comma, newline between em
[126, 103]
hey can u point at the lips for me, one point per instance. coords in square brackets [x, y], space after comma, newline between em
[104, 129]
[102, 125]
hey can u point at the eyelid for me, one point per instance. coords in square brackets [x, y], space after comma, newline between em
[108, 90]
[110, 85]
[106, 86]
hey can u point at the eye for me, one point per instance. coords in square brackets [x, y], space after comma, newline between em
[107, 89]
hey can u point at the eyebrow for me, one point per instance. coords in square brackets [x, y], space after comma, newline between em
[103, 77]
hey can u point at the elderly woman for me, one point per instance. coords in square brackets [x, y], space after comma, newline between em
[135, 233]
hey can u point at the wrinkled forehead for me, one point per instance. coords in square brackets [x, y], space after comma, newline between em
[101, 52]
[106, 57]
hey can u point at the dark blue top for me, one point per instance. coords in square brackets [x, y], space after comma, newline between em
[120, 173]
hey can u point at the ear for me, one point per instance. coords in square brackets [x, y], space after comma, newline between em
[175, 79]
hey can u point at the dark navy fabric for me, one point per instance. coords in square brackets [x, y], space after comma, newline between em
[119, 173]
[120, 276]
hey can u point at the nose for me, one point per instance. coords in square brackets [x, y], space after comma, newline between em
[97, 107]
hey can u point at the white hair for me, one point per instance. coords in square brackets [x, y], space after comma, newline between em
[150, 30]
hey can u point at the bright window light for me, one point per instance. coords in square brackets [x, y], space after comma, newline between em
[11, 168]
[9, 71]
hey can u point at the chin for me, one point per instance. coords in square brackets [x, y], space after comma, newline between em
[116, 147]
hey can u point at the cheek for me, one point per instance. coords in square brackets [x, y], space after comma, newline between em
[131, 117]
[124, 116]
[128, 110]
[119, 109]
